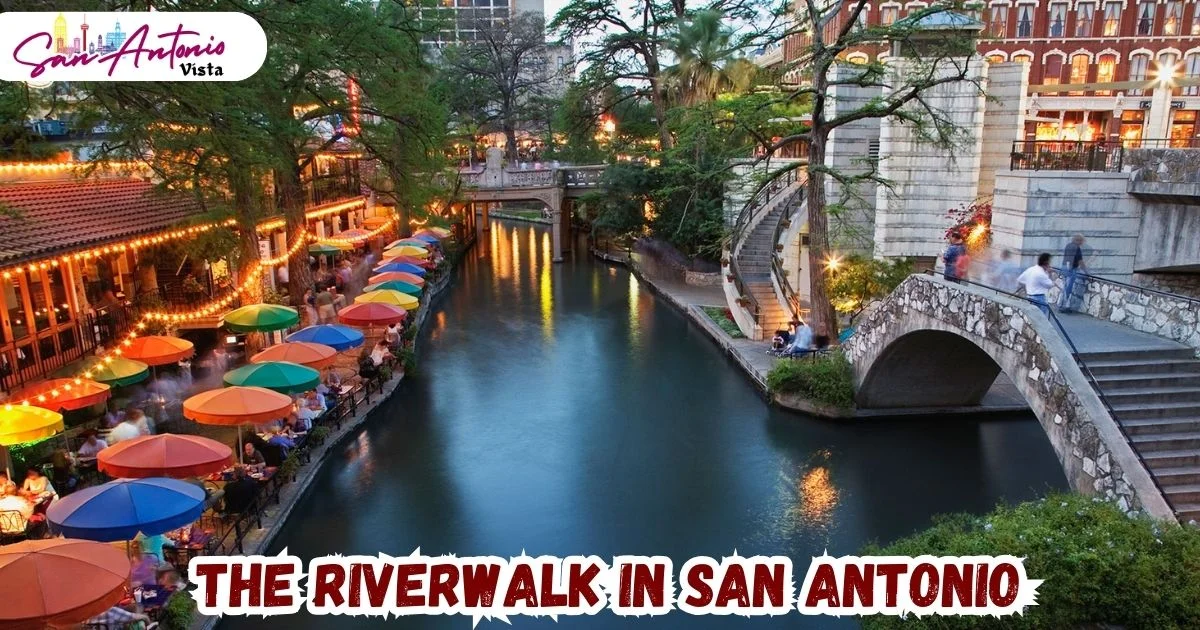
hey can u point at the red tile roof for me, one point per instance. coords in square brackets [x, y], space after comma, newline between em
[57, 217]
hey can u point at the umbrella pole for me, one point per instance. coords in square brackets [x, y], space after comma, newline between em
[241, 451]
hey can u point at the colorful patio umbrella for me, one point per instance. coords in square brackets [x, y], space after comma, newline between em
[60, 582]
[395, 285]
[407, 250]
[411, 241]
[164, 455]
[399, 266]
[440, 231]
[24, 423]
[397, 275]
[372, 314]
[427, 238]
[261, 318]
[323, 249]
[72, 394]
[279, 376]
[424, 264]
[124, 508]
[237, 405]
[333, 335]
[354, 233]
[158, 349]
[375, 222]
[116, 373]
[387, 296]
[315, 355]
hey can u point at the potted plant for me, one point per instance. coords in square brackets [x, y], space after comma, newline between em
[729, 277]
[724, 262]
[778, 247]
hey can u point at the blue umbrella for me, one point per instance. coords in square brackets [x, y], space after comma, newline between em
[333, 335]
[399, 266]
[121, 509]
[428, 238]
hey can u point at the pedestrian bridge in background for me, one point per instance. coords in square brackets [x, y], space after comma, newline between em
[1120, 406]
[555, 186]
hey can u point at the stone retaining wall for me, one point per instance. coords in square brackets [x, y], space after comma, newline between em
[702, 279]
[1169, 317]
[1094, 454]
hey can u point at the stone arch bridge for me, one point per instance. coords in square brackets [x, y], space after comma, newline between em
[934, 343]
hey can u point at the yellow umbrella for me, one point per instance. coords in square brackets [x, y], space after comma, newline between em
[440, 231]
[24, 423]
[389, 296]
[407, 250]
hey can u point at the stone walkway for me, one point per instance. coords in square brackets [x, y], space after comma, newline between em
[1096, 335]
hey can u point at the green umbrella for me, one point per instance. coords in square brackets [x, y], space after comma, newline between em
[280, 376]
[395, 285]
[117, 373]
[261, 318]
[323, 249]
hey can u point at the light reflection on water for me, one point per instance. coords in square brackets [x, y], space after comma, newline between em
[583, 415]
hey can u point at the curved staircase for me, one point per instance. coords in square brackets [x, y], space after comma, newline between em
[758, 292]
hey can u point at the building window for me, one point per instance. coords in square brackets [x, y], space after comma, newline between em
[1083, 19]
[1052, 70]
[1131, 127]
[1079, 70]
[998, 22]
[1138, 66]
[1058, 19]
[1023, 58]
[889, 15]
[996, 58]
[1145, 19]
[1106, 72]
[1191, 70]
[1112, 19]
[1196, 20]
[1172, 17]
[1025, 20]
[1183, 129]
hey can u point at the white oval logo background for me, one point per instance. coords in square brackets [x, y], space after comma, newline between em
[116, 46]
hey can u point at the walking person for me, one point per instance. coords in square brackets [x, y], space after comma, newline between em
[1037, 282]
[1073, 267]
[1005, 273]
[955, 258]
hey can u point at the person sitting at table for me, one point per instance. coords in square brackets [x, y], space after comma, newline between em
[143, 567]
[92, 445]
[251, 458]
[116, 617]
[153, 545]
[315, 401]
[381, 353]
[7, 487]
[37, 487]
[62, 467]
[144, 424]
[240, 493]
[392, 334]
[112, 416]
[170, 581]
[127, 429]
[284, 442]
[296, 425]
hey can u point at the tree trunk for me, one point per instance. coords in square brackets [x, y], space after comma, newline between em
[659, 98]
[291, 203]
[510, 139]
[248, 252]
[822, 317]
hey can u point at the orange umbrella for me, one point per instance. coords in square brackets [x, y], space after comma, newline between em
[59, 581]
[72, 394]
[401, 276]
[164, 455]
[314, 355]
[158, 349]
[375, 222]
[237, 405]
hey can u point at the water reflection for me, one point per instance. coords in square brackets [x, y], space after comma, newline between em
[583, 415]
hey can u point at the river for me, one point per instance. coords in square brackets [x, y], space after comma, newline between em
[565, 409]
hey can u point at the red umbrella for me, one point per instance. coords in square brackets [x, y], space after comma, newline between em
[72, 394]
[164, 455]
[158, 349]
[59, 581]
[372, 314]
[314, 355]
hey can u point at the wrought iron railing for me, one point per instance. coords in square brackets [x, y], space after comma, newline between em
[790, 295]
[759, 202]
[1064, 155]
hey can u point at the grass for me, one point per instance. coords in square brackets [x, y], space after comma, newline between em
[721, 317]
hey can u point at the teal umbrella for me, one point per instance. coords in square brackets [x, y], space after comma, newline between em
[261, 318]
[395, 285]
[280, 376]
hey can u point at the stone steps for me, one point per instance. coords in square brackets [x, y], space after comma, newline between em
[1160, 425]
[1149, 442]
[1117, 382]
[1151, 395]
[755, 256]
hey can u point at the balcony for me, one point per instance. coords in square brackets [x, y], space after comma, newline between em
[1064, 155]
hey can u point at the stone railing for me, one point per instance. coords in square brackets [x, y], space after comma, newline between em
[1169, 165]
[583, 176]
[1095, 454]
[1168, 315]
[571, 177]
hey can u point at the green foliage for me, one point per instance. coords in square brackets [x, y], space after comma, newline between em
[826, 379]
[28, 454]
[318, 434]
[290, 466]
[407, 356]
[722, 318]
[1099, 565]
[271, 296]
[858, 279]
[178, 612]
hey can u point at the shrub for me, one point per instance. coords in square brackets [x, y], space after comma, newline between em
[826, 379]
[290, 466]
[1099, 565]
[318, 434]
[724, 319]
[178, 612]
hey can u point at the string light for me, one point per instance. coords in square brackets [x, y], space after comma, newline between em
[252, 277]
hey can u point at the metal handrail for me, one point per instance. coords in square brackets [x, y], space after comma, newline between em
[1079, 362]
[1140, 289]
[790, 295]
[761, 199]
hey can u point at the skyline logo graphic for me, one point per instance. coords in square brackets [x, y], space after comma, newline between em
[41, 47]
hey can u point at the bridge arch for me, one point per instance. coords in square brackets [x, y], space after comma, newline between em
[933, 343]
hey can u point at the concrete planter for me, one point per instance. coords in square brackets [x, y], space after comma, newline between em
[795, 402]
